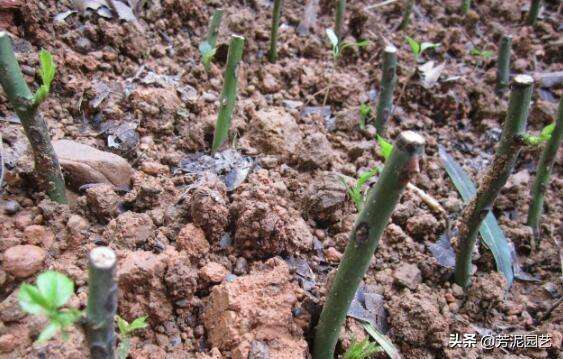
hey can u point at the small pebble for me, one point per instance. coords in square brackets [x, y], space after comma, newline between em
[12, 207]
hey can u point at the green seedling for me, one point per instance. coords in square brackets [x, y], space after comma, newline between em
[208, 48]
[47, 298]
[26, 105]
[362, 350]
[543, 137]
[356, 193]
[126, 332]
[385, 147]
[364, 239]
[338, 46]
[484, 54]
[418, 48]
[365, 114]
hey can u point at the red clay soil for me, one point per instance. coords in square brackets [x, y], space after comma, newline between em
[240, 270]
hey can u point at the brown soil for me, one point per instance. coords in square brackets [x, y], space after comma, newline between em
[241, 272]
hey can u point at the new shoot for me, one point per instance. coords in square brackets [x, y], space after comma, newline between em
[26, 106]
[418, 48]
[229, 94]
[126, 332]
[364, 239]
[505, 158]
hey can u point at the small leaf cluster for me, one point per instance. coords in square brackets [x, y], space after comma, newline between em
[365, 113]
[485, 54]
[362, 350]
[543, 137]
[385, 147]
[338, 47]
[47, 71]
[356, 193]
[125, 332]
[418, 48]
[47, 298]
[207, 52]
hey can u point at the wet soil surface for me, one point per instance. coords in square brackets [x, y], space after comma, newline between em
[231, 255]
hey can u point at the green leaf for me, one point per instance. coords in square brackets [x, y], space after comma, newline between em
[383, 341]
[138, 323]
[361, 350]
[386, 147]
[67, 317]
[414, 45]
[428, 45]
[55, 287]
[122, 324]
[48, 332]
[332, 37]
[31, 300]
[362, 43]
[365, 176]
[47, 67]
[490, 231]
[365, 111]
[545, 134]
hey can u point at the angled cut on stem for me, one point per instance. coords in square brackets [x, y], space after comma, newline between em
[545, 165]
[503, 64]
[276, 15]
[229, 94]
[364, 239]
[535, 7]
[406, 15]
[102, 303]
[505, 158]
[339, 19]
[26, 105]
[388, 81]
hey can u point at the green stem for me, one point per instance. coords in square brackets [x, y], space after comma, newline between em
[229, 94]
[213, 30]
[102, 303]
[465, 6]
[339, 20]
[369, 226]
[503, 64]
[47, 166]
[545, 165]
[273, 55]
[406, 15]
[534, 12]
[505, 158]
[388, 81]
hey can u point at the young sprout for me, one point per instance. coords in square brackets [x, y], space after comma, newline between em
[495, 178]
[102, 303]
[356, 193]
[503, 64]
[406, 15]
[208, 48]
[362, 350]
[229, 94]
[364, 238]
[388, 81]
[47, 298]
[338, 47]
[365, 114]
[26, 106]
[485, 54]
[544, 136]
[418, 48]
[339, 18]
[465, 6]
[126, 332]
[273, 54]
[535, 7]
[551, 134]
